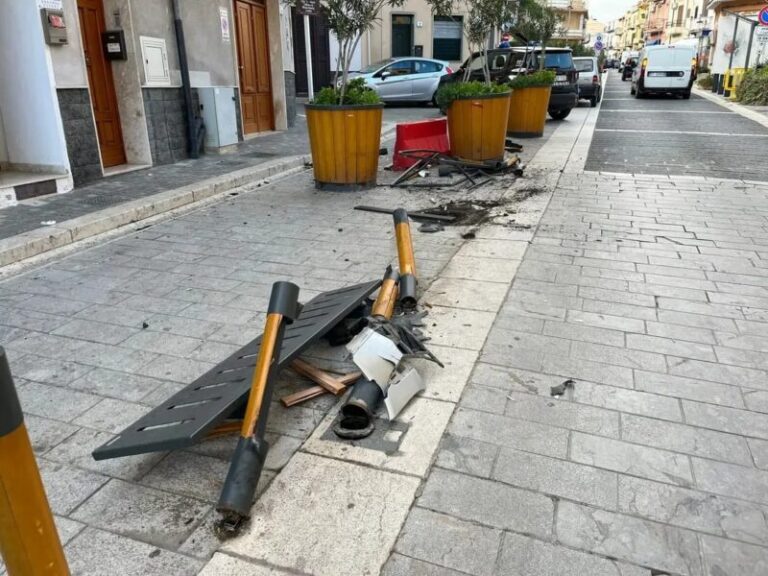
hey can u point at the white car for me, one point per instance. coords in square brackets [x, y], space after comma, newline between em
[407, 79]
[666, 69]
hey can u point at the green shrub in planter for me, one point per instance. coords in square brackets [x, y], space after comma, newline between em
[356, 94]
[450, 92]
[540, 79]
[754, 87]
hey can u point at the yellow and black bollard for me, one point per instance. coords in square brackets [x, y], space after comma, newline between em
[29, 543]
[408, 280]
[248, 460]
[384, 306]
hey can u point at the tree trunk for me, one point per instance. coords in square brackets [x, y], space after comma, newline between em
[344, 48]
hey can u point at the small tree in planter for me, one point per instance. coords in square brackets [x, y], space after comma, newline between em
[477, 111]
[529, 102]
[344, 121]
[531, 92]
[538, 23]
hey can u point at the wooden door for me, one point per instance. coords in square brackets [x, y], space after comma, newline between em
[103, 97]
[253, 60]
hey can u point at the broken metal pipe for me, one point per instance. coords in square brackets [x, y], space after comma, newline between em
[408, 280]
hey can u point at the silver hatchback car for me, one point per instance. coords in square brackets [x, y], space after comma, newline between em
[407, 79]
[590, 79]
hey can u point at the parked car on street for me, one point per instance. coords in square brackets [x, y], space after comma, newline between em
[506, 63]
[590, 79]
[629, 67]
[625, 56]
[665, 70]
[407, 79]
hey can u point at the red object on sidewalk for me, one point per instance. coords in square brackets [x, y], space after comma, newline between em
[422, 135]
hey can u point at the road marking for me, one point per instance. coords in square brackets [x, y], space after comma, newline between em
[679, 132]
[667, 111]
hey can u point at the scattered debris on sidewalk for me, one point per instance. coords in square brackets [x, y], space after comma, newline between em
[452, 171]
[234, 398]
[562, 389]
[392, 335]
[462, 213]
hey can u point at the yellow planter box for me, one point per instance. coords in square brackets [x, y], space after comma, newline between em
[345, 142]
[477, 126]
[528, 111]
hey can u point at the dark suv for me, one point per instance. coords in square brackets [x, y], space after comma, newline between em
[506, 63]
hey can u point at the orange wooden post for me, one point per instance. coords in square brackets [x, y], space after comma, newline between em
[29, 543]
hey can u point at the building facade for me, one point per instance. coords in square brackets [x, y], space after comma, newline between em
[101, 90]
[574, 16]
[735, 41]
[412, 30]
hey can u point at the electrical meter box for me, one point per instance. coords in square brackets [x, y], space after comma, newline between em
[54, 27]
[113, 42]
[217, 105]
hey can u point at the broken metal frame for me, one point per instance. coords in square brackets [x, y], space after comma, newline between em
[192, 413]
[470, 169]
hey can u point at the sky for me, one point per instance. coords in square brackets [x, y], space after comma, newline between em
[607, 10]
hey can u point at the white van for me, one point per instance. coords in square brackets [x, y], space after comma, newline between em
[665, 70]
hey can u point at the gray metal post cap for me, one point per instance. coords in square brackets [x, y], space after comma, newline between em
[285, 300]
[400, 216]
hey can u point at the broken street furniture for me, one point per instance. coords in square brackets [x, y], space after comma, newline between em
[408, 281]
[29, 543]
[380, 347]
[190, 414]
[252, 447]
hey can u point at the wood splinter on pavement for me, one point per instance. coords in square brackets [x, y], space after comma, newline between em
[327, 383]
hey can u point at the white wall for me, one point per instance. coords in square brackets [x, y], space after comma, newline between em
[357, 58]
[28, 104]
[68, 60]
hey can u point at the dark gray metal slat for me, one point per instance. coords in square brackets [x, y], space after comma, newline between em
[189, 414]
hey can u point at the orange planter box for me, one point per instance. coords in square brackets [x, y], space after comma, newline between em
[477, 126]
[345, 143]
[528, 111]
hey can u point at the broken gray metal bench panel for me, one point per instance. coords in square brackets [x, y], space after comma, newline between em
[191, 413]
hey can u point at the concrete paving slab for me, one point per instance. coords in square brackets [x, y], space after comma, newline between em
[225, 565]
[419, 428]
[96, 553]
[341, 527]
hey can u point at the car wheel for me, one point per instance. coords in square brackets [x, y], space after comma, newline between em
[640, 93]
[559, 114]
[593, 101]
[687, 95]
[434, 99]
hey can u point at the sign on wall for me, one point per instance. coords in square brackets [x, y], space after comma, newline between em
[50, 4]
[226, 35]
[308, 7]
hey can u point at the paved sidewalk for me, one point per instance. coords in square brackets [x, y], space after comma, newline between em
[115, 190]
[652, 295]
[98, 338]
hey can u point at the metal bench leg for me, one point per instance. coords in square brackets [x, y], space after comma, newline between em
[251, 452]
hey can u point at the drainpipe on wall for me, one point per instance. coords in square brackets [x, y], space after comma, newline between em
[193, 133]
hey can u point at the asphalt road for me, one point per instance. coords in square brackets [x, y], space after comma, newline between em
[669, 135]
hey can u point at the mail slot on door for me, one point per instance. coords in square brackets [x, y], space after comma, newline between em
[54, 27]
[113, 42]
